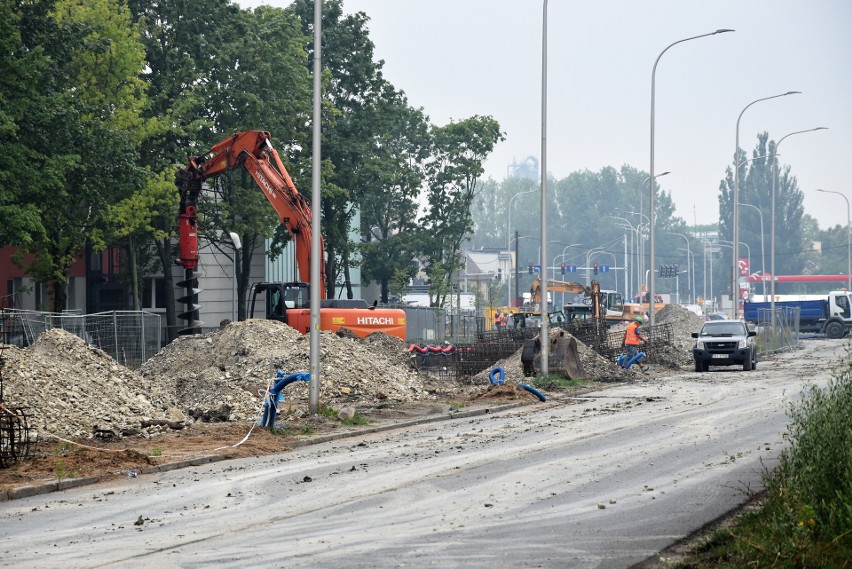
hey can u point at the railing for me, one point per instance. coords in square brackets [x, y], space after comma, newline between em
[130, 337]
[785, 334]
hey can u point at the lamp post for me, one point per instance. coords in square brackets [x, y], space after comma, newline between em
[634, 230]
[735, 202]
[545, 335]
[688, 279]
[238, 246]
[772, 224]
[848, 239]
[712, 301]
[509, 240]
[651, 177]
[763, 267]
[762, 251]
[641, 203]
[640, 245]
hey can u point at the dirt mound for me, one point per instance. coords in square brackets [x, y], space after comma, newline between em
[226, 370]
[683, 322]
[70, 389]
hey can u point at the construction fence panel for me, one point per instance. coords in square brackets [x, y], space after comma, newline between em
[131, 337]
[779, 333]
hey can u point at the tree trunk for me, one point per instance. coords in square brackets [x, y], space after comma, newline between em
[134, 273]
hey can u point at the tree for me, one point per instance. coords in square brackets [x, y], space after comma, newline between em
[87, 129]
[390, 185]
[351, 99]
[259, 82]
[25, 94]
[453, 169]
[755, 188]
[181, 41]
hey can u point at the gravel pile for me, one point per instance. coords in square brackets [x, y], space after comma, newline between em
[221, 374]
[70, 389]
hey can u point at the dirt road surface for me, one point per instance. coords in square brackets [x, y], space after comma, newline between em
[607, 479]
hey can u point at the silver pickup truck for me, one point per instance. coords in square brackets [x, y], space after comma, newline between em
[724, 343]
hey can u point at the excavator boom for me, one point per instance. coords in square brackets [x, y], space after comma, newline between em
[253, 151]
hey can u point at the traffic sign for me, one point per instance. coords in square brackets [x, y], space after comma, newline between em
[604, 268]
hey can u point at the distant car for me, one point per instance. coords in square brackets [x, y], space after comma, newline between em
[724, 343]
[717, 316]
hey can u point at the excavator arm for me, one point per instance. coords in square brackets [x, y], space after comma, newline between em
[253, 151]
[592, 293]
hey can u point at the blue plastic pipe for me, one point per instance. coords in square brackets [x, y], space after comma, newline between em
[276, 395]
[497, 376]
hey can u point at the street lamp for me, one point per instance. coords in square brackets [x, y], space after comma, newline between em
[736, 210]
[848, 239]
[772, 225]
[763, 266]
[545, 335]
[509, 239]
[238, 246]
[762, 252]
[651, 177]
[628, 286]
[688, 279]
[641, 203]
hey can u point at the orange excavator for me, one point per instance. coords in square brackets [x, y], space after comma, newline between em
[591, 293]
[287, 302]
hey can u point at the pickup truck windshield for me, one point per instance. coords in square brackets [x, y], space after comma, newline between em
[723, 329]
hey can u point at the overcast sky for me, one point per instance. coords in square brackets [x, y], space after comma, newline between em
[458, 58]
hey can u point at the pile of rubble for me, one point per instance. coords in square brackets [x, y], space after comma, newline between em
[224, 373]
[683, 322]
[70, 389]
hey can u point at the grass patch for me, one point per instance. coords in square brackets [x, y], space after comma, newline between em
[61, 472]
[156, 451]
[554, 381]
[456, 405]
[327, 412]
[357, 420]
[805, 519]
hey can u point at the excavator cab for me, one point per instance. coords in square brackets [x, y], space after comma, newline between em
[278, 298]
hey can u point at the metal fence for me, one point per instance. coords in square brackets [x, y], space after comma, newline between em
[467, 359]
[130, 337]
[778, 334]
[428, 325]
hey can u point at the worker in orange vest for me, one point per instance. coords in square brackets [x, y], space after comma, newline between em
[633, 339]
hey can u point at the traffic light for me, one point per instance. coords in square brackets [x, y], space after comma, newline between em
[596, 268]
[664, 272]
[529, 268]
[499, 276]
[676, 270]
[562, 269]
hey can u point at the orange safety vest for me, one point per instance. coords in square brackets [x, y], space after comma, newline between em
[631, 338]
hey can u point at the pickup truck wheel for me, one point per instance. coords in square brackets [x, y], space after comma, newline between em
[747, 363]
[835, 330]
[699, 367]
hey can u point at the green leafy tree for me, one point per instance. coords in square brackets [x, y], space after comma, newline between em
[89, 128]
[259, 82]
[755, 188]
[454, 167]
[390, 184]
[352, 99]
[26, 94]
[181, 40]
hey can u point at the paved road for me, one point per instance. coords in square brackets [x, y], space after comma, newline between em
[602, 481]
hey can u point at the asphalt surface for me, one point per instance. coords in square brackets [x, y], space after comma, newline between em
[605, 480]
